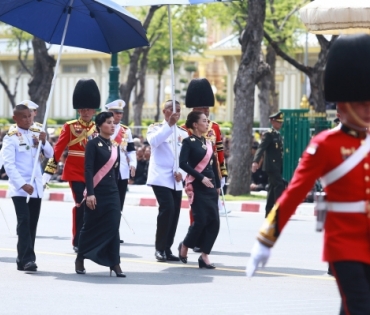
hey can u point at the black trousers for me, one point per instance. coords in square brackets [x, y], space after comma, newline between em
[353, 280]
[122, 188]
[169, 201]
[27, 218]
[276, 188]
[77, 212]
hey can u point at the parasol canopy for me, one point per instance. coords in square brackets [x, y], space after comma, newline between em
[335, 17]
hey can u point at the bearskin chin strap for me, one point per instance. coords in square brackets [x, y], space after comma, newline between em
[361, 124]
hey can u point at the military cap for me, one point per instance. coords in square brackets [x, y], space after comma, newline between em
[29, 104]
[347, 70]
[86, 95]
[116, 106]
[199, 94]
[277, 117]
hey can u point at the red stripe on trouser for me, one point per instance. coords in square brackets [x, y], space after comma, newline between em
[74, 214]
[344, 300]
[191, 216]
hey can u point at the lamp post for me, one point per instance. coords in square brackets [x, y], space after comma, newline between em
[113, 79]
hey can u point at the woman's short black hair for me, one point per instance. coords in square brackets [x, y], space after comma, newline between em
[101, 118]
[192, 118]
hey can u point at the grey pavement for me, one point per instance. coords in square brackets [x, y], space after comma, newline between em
[294, 281]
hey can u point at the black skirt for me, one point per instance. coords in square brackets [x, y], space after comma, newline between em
[204, 230]
[99, 238]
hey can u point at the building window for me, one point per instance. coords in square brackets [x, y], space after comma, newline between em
[75, 69]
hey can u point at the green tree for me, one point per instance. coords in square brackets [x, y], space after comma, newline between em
[187, 37]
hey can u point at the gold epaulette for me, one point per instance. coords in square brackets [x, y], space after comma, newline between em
[155, 124]
[35, 129]
[124, 126]
[11, 133]
[183, 128]
[38, 124]
[51, 167]
[71, 121]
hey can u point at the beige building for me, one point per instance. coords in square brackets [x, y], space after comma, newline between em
[219, 64]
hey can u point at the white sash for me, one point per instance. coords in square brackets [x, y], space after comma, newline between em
[347, 165]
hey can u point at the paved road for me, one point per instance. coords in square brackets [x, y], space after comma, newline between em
[292, 283]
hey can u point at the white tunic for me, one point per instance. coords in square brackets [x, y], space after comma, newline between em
[19, 154]
[162, 164]
[127, 158]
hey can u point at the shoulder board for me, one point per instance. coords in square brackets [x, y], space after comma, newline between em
[182, 128]
[71, 121]
[11, 133]
[35, 129]
[38, 124]
[155, 124]
[124, 126]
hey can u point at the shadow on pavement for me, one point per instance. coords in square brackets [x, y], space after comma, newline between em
[8, 260]
[236, 254]
[290, 271]
[57, 238]
[141, 245]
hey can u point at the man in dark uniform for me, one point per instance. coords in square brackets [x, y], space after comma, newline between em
[272, 146]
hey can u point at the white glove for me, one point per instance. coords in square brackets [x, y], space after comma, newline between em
[223, 181]
[45, 178]
[260, 254]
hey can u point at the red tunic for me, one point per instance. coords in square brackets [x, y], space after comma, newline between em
[74, 135]
[346, 235]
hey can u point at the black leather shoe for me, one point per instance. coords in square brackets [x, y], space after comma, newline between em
[197, 250]
[183, 259]
[30, 266]
[121, 241]
[160, 255]
[172, 257]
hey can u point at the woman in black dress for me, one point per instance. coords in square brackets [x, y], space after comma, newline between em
[99, 238]
[202, 187]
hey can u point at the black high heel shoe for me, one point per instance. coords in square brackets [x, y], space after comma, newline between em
[117, 270]
[183, 259]
[202, 264]
[79, 267]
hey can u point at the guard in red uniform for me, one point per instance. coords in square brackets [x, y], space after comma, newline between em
[74, 136]
[341, 158]
[200, 97]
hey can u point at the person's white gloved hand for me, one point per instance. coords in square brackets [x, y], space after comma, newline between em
[223, 181]
[45, 178]
[259, 255]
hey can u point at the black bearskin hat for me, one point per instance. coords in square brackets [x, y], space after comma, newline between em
[86, 95]
[199, 94]
[347, 73]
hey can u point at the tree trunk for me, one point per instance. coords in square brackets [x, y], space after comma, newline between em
[315, 73]
[159, 78]
[140, 97]
[248, 76]
[274, 97]
[43, 71]
[264, 101]
[133, 69]
[316, 76]
[267, 95]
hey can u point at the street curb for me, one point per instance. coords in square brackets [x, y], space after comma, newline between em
[243, 206]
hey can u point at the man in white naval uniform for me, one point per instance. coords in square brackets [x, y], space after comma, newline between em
[33, 108]
[165, 179]
[122, 137]
[19, 153]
